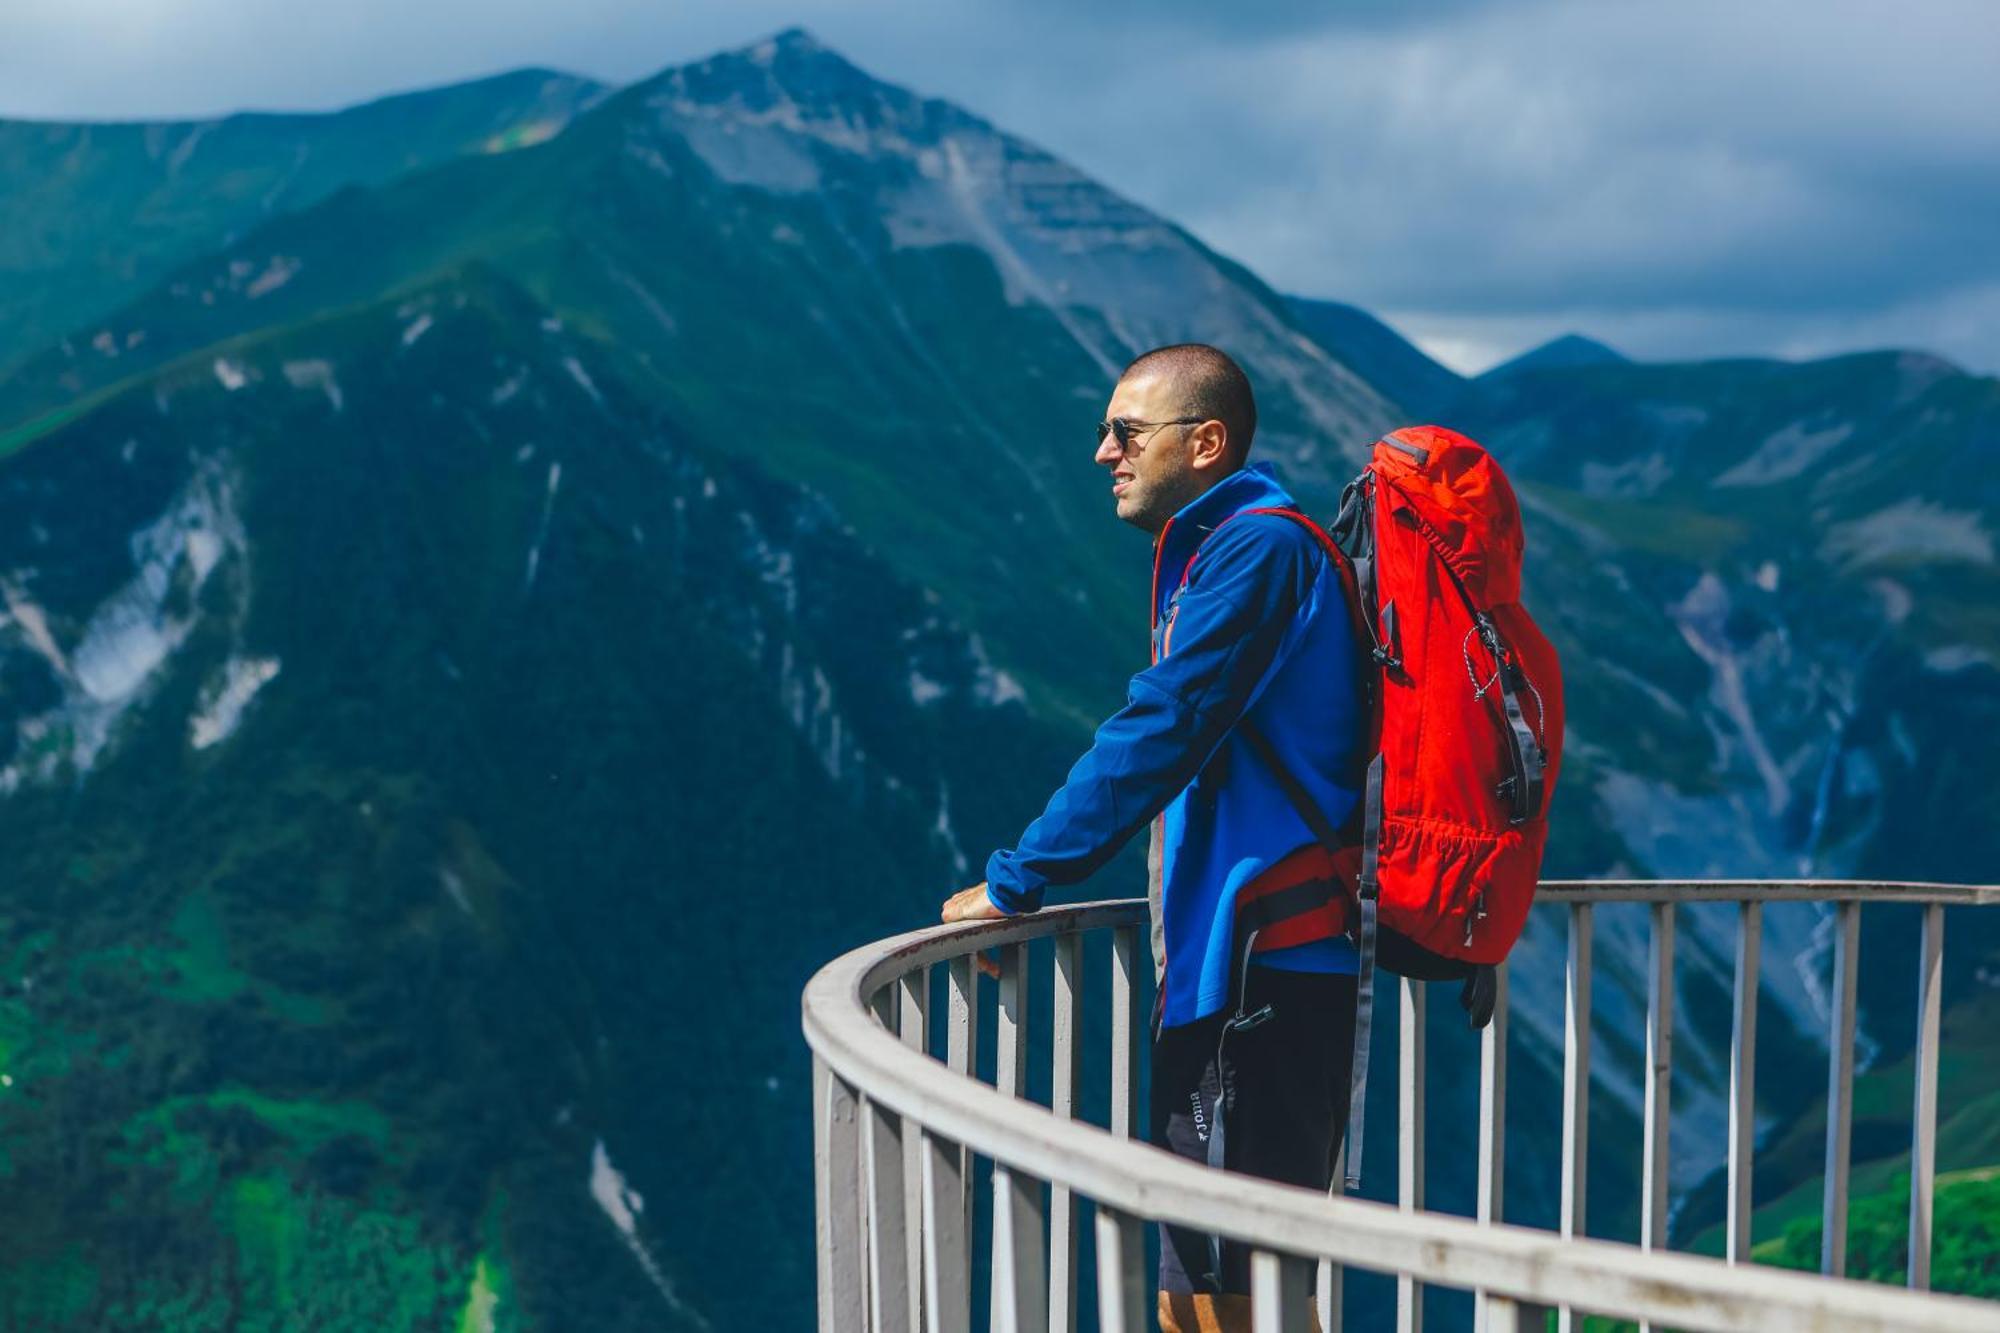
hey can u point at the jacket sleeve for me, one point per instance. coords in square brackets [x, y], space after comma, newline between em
[1230, 628]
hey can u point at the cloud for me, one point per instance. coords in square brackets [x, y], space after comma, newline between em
[1692, 176]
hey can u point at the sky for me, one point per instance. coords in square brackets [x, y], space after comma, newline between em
[1680, 180]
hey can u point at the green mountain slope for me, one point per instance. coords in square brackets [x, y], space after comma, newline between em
[95, 214]
[930, 327]
[431, 779]
[1422, 387]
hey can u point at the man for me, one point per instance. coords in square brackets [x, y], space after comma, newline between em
[1254, 669]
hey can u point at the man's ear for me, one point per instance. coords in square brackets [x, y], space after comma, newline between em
[1208, 444]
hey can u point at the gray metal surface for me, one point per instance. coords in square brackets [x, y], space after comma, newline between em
[1575, 1086]
[1490, 1188]
[1743, 1081]
[1923, 1117]
[1410, 1138]
[1520, 1268]
[1839, 1088]
[1065, 1077]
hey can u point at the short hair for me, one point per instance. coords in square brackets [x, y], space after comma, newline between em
[1211, 385]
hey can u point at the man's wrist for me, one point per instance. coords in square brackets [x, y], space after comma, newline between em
[1002, 891]
[1000, 904]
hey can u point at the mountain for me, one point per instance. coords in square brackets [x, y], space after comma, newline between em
[1773, 588]
[943, 296]
[430, 779]
[1422, 387]
[487, 634]
[96, 213]
[1566, 352]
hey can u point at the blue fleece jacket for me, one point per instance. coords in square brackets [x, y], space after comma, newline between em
[1260, 629]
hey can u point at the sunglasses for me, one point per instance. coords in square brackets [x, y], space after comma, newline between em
[1125, 431]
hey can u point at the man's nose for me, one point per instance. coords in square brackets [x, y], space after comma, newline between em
[1108, 452]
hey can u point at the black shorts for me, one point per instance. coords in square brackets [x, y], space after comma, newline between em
[1284, 1085]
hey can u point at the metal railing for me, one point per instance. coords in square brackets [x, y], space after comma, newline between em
[898, 1133]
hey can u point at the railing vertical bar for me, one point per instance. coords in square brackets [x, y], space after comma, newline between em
[947, 1252]
[1012, 1252]
[889, 1281]
[1327, 1287]
[962, 1054]
[1279, 1289]
[837, 1187]
[1010, 1032]
[1839, 1087]
[1410, 1139]
[1020, 1272]
[1122, 1306]
[1068, 1053]
[1125, 956]
[1923, 1129]
[1743, 1079]
[1505, 1315]
[1576, 1085]
[913, 1026]
[1656, 1132]
[1492, 1167]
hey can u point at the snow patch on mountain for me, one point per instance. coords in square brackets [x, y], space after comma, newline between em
[126, 641]
[230, 373]
[1639, 476]
[542, 526]
[315, 374]
[623, 1205]
[1703, 617]
[276, 274]
[1910, 529]
[1786, 453]
[225, 698]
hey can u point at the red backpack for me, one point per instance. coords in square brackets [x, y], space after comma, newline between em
[1466, 701]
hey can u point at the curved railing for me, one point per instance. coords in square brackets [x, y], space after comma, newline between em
[898, 1133]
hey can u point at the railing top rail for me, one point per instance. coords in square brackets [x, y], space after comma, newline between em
[1763, 890]
[1531, 1265]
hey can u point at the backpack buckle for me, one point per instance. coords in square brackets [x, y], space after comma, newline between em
[1257, 1018]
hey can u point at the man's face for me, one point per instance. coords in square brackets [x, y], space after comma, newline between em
[1154, 476]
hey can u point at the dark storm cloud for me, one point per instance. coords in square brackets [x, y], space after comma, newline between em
[1681, 179]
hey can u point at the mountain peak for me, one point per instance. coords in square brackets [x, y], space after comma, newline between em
[1571, 349]
[793, 41]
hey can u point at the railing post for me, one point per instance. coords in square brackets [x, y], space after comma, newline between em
[962, 1055]
[1122, 1306]
[1923, 1129]
[1410, 1140]
[1326, 1284]
[1492, 1124]
[1125, 955]
[1743, 1079]
[1657, 1133]
[1505, 1315]
[947, 1240]
[1019, 1288]
[1068, 985]
[1279, 1286]
[837, 1185]
[1839, 1087]
[889, 1283]
[913, 1026]
[1576, 1085]
[1020, 1277]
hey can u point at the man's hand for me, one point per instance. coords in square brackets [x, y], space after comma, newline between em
[970, 905]
[973, 905]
